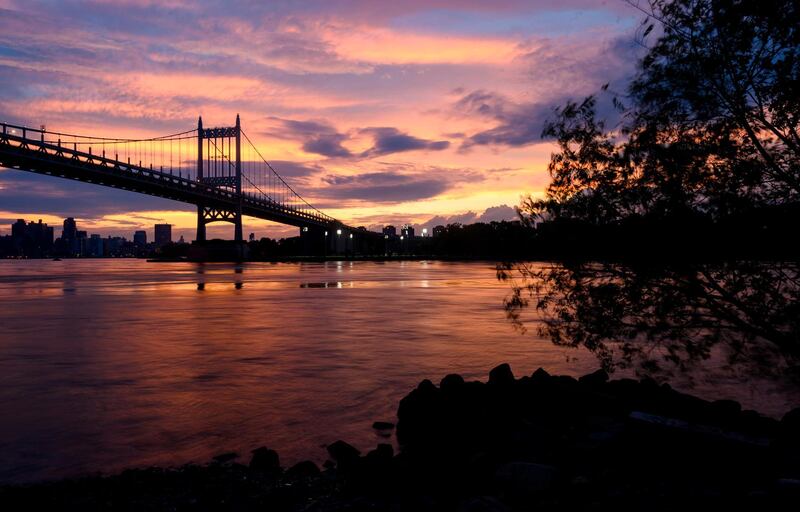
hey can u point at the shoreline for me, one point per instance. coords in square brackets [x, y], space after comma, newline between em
[537, 441]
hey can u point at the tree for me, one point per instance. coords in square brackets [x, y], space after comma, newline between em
[712, 126]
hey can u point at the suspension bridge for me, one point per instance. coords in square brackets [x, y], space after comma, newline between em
[217, 169]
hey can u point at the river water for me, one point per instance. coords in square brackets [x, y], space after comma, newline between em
[110, 364]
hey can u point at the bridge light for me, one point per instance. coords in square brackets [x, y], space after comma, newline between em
[338, 231]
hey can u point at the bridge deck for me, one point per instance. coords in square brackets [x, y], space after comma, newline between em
[22, 153]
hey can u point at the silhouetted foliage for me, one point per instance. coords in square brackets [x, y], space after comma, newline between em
[662, 319]
[712, 127]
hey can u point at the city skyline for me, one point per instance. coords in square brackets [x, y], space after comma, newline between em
[370, 137]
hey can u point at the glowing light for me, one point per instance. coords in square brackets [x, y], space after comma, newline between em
[338, 231]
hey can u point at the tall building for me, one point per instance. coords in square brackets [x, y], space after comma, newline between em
[69, 237]
[163, 234]
[33, 240]
[390, 230]
[140, 238]
[96, 246]
[407, 231]
[70, 231]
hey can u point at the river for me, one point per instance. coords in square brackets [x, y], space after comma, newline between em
[108, 364]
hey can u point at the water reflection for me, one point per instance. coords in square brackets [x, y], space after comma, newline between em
[238, 281]
[665, 320]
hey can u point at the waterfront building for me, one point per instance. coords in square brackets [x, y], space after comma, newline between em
[163, 234]
[140, 238]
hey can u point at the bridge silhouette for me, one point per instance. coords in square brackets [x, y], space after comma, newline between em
[218, 169]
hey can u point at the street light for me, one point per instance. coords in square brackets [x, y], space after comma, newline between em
[338, 231]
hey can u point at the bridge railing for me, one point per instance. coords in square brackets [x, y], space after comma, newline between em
[172, 161]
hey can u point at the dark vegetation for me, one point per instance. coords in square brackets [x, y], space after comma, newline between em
[703, 156]
[539, 442]
[689, 199]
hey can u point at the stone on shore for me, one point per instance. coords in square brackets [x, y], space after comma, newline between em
[265, 460]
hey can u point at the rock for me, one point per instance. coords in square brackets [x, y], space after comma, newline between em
[791, 420]
[596, 378]
[344, 454]
[304, 469]
[525, 478]
[265, 460]
[383, 425]
[383, 452]
[225, 457]
[725, 409]
[540, 375]
[451, 383]
[501, 375]
[426, 387]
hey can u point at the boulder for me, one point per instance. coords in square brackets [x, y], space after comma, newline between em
[225, 457]
[451, 383]
[540, 375]
[596, 378]
[265, 460]
[343, 453]
[304, 469]
[501, 375]
[382, 452]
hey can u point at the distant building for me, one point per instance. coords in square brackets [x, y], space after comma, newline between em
[439, 230]
[31, 240]
[407, 232]
[70, 231]
[70, 245]
[140, 238]
[95, 246]
[390, 230]
[163, 234]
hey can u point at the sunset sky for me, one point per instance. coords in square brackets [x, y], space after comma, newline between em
[376, 111]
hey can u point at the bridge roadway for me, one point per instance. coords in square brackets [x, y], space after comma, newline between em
[23, 153]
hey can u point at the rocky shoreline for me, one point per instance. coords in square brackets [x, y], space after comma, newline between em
[537, 442]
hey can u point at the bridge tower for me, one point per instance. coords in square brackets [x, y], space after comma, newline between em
[220, 166]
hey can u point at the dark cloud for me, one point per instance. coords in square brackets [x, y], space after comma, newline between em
[516, 124]
[383, 187]
[289, 169]
[328, 145]
[521, 123]
[318, 137]
[27, 192]
[322, 138]
[392, 140]
[394, 184]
